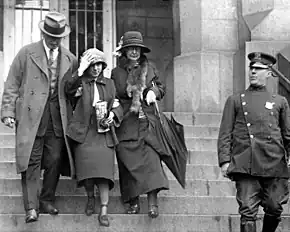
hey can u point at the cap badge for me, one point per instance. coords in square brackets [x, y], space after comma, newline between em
[257, 56]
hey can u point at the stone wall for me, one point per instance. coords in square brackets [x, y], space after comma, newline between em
[268, 21]
[210, 65]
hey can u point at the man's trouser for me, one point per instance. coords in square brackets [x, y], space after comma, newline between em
[46, 154]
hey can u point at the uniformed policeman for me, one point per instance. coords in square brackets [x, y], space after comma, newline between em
[253, 147]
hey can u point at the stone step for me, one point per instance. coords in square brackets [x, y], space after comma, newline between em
[194, 157]
[185, 118]
[131, 223]
[202, 157]
[201, 131]
[201, 144]
[189, 131]
[203, 172]
[193, 188]
[207, 119]
[195, 143]
[200, 205]
[181, 117]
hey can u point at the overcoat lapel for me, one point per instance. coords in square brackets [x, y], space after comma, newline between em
[65, 64]
[38, 55]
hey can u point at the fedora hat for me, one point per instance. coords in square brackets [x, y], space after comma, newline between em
[54, 25]
[133, 38]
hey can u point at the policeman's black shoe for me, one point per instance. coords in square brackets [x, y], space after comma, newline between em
[134, 206]
[153, 211]
[31, 216]
[90, 207]
[270, 223]
[103, 218]
[48, 208]
[248, 226]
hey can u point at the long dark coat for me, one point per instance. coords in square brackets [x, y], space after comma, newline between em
[254, 134]
[26, 92]
[140, 169]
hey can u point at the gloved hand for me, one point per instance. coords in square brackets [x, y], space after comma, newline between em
[85, 62]
[224, 169]
[150, 97]
[105, 123]
[9, 121]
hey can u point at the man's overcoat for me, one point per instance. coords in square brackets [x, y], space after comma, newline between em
[26, 92]
[254, 134]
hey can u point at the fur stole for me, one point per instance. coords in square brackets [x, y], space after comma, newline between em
[136, 83]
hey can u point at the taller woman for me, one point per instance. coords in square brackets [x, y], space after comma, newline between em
[138, 88]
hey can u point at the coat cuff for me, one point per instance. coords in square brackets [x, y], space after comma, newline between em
[118, 116]
[224, 160]
[7, 113]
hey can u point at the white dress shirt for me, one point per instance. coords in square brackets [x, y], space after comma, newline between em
[96, 94]
[55, 51]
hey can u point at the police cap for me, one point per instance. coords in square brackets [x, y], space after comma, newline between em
[261, 60]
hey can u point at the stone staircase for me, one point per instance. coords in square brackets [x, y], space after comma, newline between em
[206, 205]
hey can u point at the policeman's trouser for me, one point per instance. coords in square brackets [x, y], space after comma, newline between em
[270, 193]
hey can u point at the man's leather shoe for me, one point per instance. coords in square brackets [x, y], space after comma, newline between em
[31, 216]
[48, 208]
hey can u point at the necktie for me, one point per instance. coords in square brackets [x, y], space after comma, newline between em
[50, 61]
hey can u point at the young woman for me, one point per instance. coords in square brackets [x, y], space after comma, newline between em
[92, 128]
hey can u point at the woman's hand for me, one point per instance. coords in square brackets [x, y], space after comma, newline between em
[9, 121]
[224, 169]
[110, 119]
[85, 62]
[150, 97]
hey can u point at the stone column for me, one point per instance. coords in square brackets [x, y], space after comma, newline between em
[204, 70]
[268, 22]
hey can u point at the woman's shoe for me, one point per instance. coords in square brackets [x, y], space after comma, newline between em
[134, 206]
[133, 209]
[153, 211]
[90, 207]
[103, 218]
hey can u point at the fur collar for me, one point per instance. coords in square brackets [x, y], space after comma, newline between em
[136, 83]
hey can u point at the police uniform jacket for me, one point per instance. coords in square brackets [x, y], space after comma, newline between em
[254, 134]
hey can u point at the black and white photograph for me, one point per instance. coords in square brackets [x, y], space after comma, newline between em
[144, 115]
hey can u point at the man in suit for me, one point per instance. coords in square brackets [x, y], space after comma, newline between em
[35, 103]
[253, 147]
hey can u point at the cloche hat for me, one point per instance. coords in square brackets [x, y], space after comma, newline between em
[98, 56]
[132, 38]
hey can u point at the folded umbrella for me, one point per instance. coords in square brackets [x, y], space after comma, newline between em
[166, 137]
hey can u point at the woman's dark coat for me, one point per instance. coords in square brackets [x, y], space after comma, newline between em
[140, 169]
[79, 124]
[130, 124]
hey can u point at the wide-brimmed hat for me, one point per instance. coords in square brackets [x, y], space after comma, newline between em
[133, 38]
[98, 56]
[54, 24]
